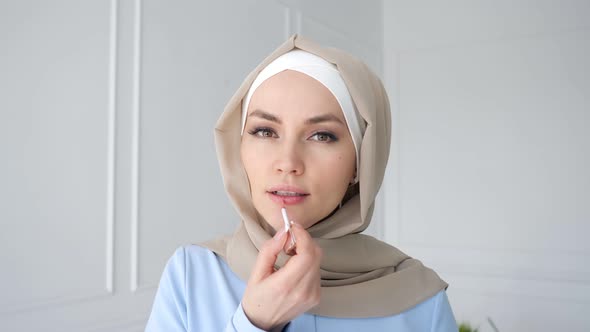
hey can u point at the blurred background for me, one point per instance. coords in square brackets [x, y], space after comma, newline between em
[107, 110]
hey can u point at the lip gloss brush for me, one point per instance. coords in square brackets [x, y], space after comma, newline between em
[291, 249]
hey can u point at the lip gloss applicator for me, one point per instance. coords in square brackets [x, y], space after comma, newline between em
[291, 248]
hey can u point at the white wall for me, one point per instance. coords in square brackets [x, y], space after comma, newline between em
[489, 180]
[107, 111]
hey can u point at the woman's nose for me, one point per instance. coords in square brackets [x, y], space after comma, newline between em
[289, 160]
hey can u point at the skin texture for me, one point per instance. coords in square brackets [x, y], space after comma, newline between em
[295, 153]
[282, 147]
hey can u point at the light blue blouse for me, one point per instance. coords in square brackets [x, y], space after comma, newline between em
[199, 292]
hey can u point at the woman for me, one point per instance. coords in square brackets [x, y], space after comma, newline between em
[308, 130]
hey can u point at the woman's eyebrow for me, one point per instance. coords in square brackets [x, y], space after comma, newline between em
[323, 118]
[265, 115]
[313, 120]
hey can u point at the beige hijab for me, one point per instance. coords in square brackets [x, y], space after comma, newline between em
[360, 275]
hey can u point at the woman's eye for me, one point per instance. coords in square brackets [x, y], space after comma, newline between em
[324, 137]
[262, 132]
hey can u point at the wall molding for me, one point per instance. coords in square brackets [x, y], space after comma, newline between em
[73, 298]
[292, 22]
[135, 142]
[111, 154]
[46, 302]
[531, 288]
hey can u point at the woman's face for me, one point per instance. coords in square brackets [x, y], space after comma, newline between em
[296, 149]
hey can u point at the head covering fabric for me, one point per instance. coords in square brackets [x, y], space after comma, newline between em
[361, 276]
[325, 73]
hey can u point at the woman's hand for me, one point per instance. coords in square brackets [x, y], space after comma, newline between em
[273, 298]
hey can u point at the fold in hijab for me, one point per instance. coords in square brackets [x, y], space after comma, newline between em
[361, 276]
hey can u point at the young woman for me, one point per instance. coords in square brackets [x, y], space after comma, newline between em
[308, 130]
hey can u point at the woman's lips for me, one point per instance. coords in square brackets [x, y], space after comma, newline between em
[286, 194]
[286, 199]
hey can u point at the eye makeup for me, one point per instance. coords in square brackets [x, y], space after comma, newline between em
[330, 137]
[263, 132]
[266, 132]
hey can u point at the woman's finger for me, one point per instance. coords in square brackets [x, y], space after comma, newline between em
[305, 244]
[306, 260]
[267, 257]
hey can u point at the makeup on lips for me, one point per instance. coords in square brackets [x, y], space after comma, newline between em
[287, 195]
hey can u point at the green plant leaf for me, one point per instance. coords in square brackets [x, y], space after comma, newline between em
[466, 327]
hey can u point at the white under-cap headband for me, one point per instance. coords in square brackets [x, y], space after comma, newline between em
[324, 72]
